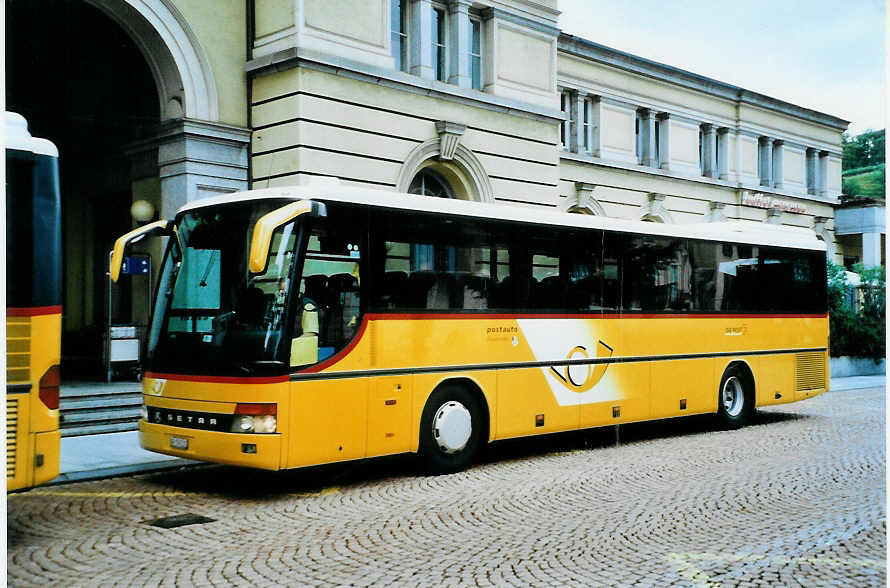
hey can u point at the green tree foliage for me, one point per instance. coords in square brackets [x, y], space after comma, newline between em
[863, 150]
[862, 333]
[863, 165]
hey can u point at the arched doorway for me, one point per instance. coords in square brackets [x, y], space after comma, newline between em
[125, 90]
[82, 82]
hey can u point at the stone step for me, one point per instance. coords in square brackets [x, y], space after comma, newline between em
[113, 389]
[94, 429]
[99, 402]
[91, 416]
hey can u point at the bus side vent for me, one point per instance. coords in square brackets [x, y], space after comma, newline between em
[12, 419]
[18, 349]
[810, 372]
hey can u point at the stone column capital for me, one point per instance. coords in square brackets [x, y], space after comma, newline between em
[463, 6]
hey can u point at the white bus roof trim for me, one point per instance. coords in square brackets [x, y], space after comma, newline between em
[16, 136]
[729, 231]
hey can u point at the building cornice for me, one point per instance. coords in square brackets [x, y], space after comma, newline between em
[576, 46]
[503, 15]
[297, 57]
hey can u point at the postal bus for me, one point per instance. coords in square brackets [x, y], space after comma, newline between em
[314, 324]
[33, 306]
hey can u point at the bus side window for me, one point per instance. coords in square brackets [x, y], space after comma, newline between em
[329, 306]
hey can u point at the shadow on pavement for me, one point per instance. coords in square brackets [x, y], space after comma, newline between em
[244, 483]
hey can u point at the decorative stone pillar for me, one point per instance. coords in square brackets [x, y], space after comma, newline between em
[778, 163]
[664, 140]
[709, 150]
[459, 58]
[198, 159]
[766, 161]
[811, 170]
[871, 249]
[822, 176]
[449, 138]
[647, 131]
[420, 39]
[723, 153]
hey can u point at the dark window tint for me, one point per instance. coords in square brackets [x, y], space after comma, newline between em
[745, 278]
[33, 230]
[432, 265]
[657, 275]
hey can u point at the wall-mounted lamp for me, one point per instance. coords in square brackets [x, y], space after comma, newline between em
[142, 211]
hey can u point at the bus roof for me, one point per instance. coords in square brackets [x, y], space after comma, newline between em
[333, 191]
[16, 136]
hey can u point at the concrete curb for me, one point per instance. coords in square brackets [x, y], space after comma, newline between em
[121, 470]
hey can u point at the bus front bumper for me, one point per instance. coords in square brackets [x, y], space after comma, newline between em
[248, 450]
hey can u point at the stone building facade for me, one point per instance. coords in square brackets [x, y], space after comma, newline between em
[477, 99]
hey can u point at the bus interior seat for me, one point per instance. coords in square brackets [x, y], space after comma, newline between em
[418, 286]
[344, 308]
[392, 291]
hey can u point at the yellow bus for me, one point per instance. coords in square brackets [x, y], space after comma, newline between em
[316, 324]
[33, 307]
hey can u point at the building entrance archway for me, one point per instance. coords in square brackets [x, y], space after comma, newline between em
[124, 90]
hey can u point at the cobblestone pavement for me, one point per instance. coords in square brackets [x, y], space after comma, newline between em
[795, 499]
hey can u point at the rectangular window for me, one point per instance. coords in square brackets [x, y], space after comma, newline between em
[476, 54]
[425, 264]
[658, 275]
[565, 131]
[399, 33]
[701, 150]
[638, 137]
[658, 143]
[588, 125]
[439, 54]
[742, 278]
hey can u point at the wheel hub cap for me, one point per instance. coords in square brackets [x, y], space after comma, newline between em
[452, 427]
[733, 397]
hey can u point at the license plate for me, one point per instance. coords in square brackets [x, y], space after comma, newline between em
[179, 443]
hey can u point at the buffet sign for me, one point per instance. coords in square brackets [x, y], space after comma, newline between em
[760, 200]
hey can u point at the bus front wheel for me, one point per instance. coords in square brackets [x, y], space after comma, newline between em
[736, 402]
[450, 428]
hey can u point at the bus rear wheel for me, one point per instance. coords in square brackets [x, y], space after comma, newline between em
[735, 404]
[450, 430]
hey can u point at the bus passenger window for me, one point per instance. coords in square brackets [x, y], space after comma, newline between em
[328, 312]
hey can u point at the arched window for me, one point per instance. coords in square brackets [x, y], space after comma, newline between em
[430, 183]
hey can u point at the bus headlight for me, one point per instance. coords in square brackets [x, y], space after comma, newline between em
[265, 424]
[243, 424]
[143, 412]
[255, 418]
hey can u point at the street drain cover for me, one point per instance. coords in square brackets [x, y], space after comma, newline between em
[179, 521]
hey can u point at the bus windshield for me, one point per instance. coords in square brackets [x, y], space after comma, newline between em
[212, 316]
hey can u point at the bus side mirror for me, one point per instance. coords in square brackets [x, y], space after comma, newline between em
[161, 227]
[265, 227]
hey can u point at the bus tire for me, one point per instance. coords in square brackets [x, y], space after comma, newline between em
[735, 401]
[450, 430]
